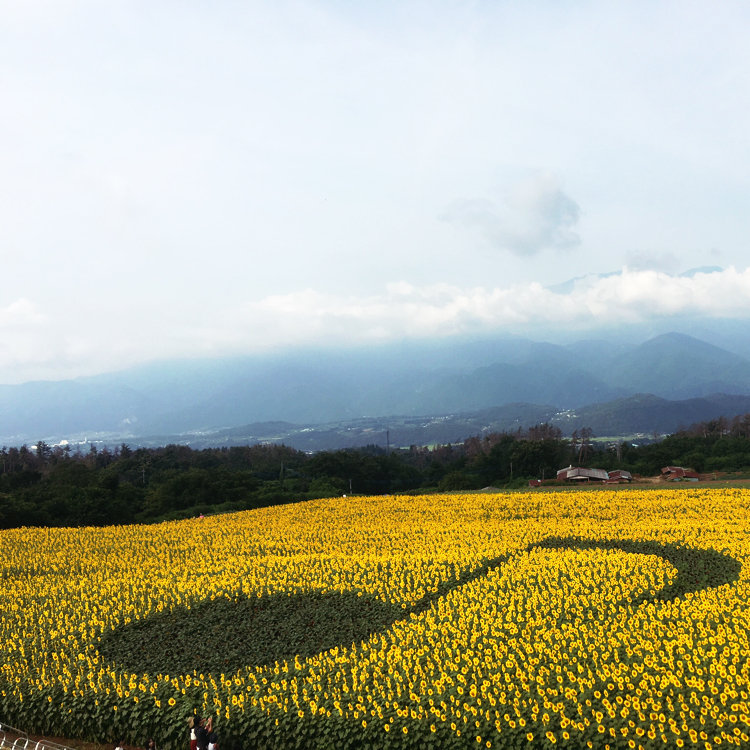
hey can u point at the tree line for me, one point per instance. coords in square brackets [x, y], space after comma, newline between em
[54, 485]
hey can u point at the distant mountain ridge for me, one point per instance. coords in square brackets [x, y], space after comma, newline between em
[321, 388]
[680, 366]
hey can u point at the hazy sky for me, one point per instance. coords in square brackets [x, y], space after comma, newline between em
[195, 178]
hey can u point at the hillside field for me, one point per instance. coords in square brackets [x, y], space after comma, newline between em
[579, 618]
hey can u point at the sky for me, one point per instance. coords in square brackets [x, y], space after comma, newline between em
[196, 179]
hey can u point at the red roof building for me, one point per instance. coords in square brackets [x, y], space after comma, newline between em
[620, 475]
[679, 474]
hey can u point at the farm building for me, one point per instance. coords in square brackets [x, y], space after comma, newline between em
[619, 475]
[679, 474]
[581, 474]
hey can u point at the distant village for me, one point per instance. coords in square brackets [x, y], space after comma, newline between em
[582, 475]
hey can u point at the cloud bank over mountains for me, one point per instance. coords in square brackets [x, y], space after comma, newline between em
[405, 310]
[38, 345]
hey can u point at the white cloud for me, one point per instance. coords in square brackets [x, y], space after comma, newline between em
[20, 313]
[406, 310]
[534, 215]
[27, 340]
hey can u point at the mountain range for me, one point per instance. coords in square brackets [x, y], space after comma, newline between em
[609, 384]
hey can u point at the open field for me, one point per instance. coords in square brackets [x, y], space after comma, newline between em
[607, 617]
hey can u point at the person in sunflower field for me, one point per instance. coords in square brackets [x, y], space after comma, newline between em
[192, 724]
[202, 730]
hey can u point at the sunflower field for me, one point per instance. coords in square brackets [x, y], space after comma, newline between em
[601, 619]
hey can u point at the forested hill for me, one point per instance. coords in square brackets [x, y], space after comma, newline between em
[54, 486]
